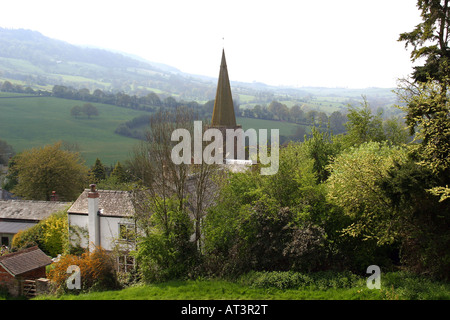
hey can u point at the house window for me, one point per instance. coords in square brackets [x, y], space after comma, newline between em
[126, 232]
[4, 241]
[125, 263]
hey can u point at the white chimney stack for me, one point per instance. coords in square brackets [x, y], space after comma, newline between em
[93, 218]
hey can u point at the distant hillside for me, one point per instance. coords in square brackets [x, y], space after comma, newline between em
[38, 61]
[31, 59]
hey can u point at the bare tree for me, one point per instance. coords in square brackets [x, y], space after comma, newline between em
[192, 186]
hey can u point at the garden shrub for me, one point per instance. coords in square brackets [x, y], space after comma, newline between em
[96, 268]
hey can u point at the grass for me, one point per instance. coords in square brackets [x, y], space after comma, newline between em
[278, 286]
[219, 290]
[33, 122]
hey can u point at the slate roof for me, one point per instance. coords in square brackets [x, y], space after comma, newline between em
[25, 260]
[29, 209]
[111, 203]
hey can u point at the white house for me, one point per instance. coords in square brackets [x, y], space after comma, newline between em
[103, 216]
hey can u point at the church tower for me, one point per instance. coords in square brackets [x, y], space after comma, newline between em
[223, 117]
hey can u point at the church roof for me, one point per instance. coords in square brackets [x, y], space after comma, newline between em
[223, 113]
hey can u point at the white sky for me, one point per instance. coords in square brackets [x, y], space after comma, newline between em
[331, 43]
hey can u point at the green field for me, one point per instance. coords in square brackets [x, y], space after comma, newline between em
[36, 121]
[286, 128]
[33, 122]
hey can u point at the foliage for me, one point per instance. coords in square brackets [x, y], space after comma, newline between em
[268, 222]
[363, 126]
[43, 170]
[322, 147]
[353, 185]
[423, 221]
[50, 234]
[429, 40]
[97, 172]
[427, 109]
[6, 152]
[165, 251]
[87, 109]
[119, 173]
[96, 268]
[283, 280]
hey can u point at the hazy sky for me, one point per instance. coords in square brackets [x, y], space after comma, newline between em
[332, 43]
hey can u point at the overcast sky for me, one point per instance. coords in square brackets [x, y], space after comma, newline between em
[330, 43]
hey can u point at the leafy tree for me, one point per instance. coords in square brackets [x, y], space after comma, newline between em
[422, 222]
[76, 111]
[337, 121]
[98, 172]
[90, 110]
[322, 147]
[354, 185]
[429, 40]
[7, 87]
[164, 251]
[119, 173]
[363, 126]
[45, 169]
[396, 132]
[272, 222]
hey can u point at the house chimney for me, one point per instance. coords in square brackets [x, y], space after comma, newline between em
[93, 218]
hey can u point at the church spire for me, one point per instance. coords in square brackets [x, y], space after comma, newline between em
[223, 113]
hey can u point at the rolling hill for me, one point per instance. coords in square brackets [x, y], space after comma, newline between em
[31, 59]
[37, 121]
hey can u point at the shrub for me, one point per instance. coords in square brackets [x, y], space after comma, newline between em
[166, 252]
[96, 268]
[296, 280]
[50, 235]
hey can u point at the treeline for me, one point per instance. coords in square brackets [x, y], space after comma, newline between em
[7, 86]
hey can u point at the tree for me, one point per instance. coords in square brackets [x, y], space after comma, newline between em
[45, 169]
[337, 121]
[422, 222]
[273, 222]
[362, 126]
[354, 185]
[76, 111]
[89, 110]
[172, 198]
[119, 173]
[98, 172]
[429, 40]
[7, 87]
[321, 147]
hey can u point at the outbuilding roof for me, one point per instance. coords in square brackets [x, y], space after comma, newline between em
[17, 263]
[30, 209]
